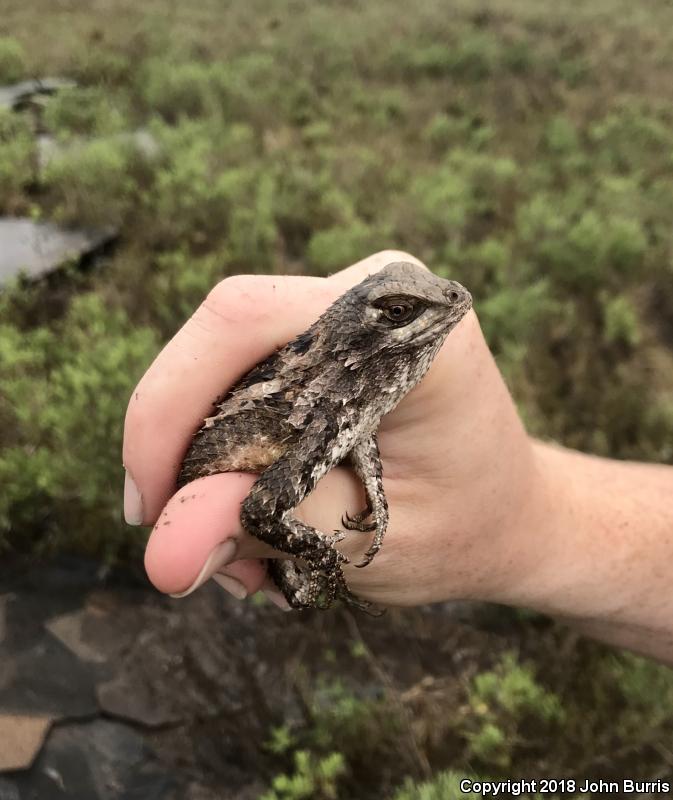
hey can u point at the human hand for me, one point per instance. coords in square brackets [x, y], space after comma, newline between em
[459, 470]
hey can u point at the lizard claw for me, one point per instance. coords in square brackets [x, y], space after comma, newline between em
[352, 524]
[349, 599]
[368, 558]
[357, 521]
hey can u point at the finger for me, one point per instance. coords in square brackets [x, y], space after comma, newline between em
[198, 535]
[241, 321]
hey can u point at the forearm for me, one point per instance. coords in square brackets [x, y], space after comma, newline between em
[599, 549]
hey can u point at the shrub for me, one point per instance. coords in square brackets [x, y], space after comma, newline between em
[94, 183]
[313, 778]
[12, 60]
[17, 155]
[63, 393]
[519, 57]
[508, 706]
[629, 138]
[176, 90]
[100, 66]
[646, 689]
[561, 136]
[335, 248]
[467, 189]
[584, 249]
[443, 786]
[204, 191]
[620, 321]
[472, 57]
[86, 110]
[181, 281]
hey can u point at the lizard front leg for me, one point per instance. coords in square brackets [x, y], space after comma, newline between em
[366, 462]
[267, 512]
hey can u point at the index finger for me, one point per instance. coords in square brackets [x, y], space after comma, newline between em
[243, 319]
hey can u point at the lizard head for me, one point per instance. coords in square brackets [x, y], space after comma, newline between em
[397, 316]
[405, 307]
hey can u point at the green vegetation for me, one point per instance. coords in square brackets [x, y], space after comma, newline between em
[63, 383]
[445, 786]
[500, 147]
[511, 710]
[523, 148]
[12, 60]
[591, 712]
[312, 779]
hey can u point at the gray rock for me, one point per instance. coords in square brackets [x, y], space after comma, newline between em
[37, 248]
[129, 697]
[100, 760]
[68, 629]
[16, 94]
[4, 599]
[8, 790]
[39, 676]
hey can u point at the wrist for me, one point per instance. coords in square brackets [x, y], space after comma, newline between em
[539, 542]
[591, 546]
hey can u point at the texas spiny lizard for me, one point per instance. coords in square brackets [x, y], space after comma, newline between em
[317, 402]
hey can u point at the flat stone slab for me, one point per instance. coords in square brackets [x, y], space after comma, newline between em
[100, 760]
[4, 599]
[68, 629]
[14, 95]
[112, 692]
[21, 738]
[37, 248]
[39, 675]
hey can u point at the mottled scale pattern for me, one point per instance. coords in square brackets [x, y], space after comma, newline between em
[317, 402]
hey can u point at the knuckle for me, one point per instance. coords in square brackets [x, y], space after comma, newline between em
[230, 293]
[236, 300]
[390, 255]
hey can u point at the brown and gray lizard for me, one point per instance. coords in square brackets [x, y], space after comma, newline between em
[317, 402]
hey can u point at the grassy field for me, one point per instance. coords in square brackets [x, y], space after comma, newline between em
[524, 148]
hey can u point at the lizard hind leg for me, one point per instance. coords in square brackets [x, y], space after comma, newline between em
[300, 589]
[305, 586]
[311, 589]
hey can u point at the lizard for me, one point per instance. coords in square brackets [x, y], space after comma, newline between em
[317, 402]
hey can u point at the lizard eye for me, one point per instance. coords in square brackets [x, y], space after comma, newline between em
[399, 310]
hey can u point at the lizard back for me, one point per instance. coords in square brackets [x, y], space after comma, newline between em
[250, 430]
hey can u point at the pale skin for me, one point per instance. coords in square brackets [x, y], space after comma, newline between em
[478, 509]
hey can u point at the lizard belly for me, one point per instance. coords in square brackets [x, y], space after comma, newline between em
[232, 444]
